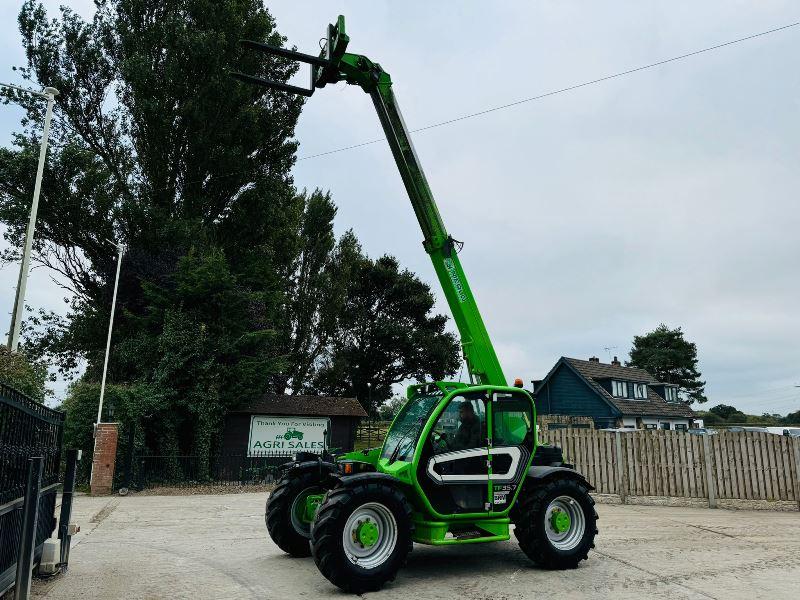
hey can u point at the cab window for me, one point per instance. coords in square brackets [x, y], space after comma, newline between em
[512, 418]
[460, 426]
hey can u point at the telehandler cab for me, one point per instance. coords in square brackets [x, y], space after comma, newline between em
[461, 463]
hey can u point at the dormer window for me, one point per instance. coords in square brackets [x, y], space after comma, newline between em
[619, 389]
[671, 394]
[640, 391]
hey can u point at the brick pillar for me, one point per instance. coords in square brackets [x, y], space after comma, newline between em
[105, 456]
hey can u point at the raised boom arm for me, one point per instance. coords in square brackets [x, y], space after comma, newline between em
[333, 65]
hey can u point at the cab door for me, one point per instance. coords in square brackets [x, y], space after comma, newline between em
[512, 443]
[454, 466]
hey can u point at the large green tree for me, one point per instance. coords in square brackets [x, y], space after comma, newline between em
[154, 145]
[233, 282]
[667, 355]
[386, 334]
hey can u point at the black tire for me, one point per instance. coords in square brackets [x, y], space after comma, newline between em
[278, 513]
[530, 518]
[327, 533]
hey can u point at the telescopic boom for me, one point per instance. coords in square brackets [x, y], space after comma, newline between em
[334, 64]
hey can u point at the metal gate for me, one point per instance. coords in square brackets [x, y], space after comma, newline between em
[27, 429]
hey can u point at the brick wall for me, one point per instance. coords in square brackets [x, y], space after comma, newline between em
[105, 455]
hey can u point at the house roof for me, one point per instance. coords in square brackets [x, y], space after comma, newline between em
[592, 372]
[326, 406]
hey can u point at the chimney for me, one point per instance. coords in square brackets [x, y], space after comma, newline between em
[616, 362]
[594, 359]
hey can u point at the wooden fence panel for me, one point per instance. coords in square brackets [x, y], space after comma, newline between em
[747, 461]
[743, 465]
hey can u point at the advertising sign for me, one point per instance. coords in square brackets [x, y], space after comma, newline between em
[287, 434]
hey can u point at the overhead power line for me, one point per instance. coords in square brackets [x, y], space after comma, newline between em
[570, 88]
[509, 104]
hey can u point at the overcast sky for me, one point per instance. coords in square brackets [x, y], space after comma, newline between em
[669, 195]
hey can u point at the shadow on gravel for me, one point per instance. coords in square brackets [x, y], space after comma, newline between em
[464, 562]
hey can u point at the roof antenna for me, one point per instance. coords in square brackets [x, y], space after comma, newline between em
[608, 350]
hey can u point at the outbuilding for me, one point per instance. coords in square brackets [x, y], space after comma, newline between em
[280, 424]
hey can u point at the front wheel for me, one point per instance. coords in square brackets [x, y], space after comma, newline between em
[287, 522]
[362, 535]
[556, 523]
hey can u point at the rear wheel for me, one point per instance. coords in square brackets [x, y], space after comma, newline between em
[362, 535]
[287, 522]
[556, 523]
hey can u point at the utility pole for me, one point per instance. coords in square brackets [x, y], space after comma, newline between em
[110, 328]
[49, 94]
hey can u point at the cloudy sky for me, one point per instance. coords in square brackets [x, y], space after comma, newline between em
[668, 195]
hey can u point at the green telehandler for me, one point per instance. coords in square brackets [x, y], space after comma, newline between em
[461, 462]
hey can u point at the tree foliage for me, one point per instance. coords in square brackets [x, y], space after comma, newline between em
[233, 282]
[723, 411]
[385, 334]
[28, 376]
[668, 356]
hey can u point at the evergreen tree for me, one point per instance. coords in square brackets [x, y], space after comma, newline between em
[670, 358]
[232, 282]
[386, 334]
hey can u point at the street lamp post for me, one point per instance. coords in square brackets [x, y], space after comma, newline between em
[105, 361]
[110, 328]
[49, 94]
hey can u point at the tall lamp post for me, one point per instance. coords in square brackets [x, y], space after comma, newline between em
[49, 94]
[110, 328]
[120, 248]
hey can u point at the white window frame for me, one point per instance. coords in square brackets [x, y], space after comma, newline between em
[619, 389]
[671, 394]
[640, 387]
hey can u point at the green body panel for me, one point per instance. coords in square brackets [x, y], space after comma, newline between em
[407, 472]
[369, 456]
[434, 532]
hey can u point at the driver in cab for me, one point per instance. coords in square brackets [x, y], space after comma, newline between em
[468, 434]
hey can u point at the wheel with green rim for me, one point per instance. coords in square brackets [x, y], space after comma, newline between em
[287, 518]
[555, 522]
[362, 535]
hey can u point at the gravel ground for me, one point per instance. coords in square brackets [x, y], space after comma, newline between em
[215, 546]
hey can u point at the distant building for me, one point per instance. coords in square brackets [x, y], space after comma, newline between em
[611, 394]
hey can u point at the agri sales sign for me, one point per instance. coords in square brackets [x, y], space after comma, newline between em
[290, 434]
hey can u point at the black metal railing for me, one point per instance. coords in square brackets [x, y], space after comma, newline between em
[221, 469]
[27, 429]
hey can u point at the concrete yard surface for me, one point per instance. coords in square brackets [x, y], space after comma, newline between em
[216, 546]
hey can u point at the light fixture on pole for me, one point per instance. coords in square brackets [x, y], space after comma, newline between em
[110, 328]
[49, 94]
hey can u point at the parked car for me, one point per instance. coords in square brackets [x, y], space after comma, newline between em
[751, 429]
[702, 431]
[789, 431]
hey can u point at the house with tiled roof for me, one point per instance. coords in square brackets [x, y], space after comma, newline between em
[613, 395]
